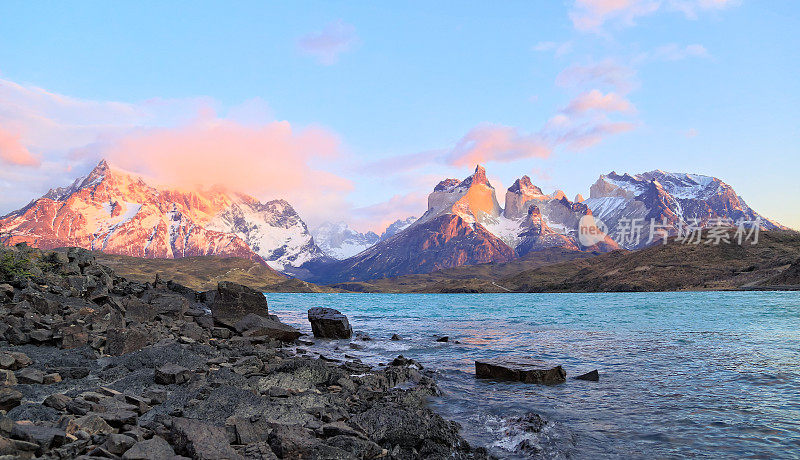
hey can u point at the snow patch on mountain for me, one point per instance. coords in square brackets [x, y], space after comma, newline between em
[273, 230]
[396, 227]
[339, 241]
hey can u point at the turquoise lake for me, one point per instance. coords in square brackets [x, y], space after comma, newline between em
[710, 374]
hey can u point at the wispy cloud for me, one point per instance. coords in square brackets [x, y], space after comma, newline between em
[607, 73]
[592, 15]
[492, 142]
[326, 45]
[558, 48]
[378, 216]
[675, 52]
[595, 100]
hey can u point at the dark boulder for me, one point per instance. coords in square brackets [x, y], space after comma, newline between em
[171, 373]
[43, 436]
[30, 375]
[201, 440]
[328, 323]
[125, 340]
[57, 401]
[232, 302]
[520, 370]
[253, 325]
[9, 398]
[592, 376]
[155, 448]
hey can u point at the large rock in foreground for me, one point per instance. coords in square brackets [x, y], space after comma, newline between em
[520, 370]
[258, 326]
[328, 323]
[232, 302]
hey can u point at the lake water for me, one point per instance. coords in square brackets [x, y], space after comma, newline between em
[711, 374]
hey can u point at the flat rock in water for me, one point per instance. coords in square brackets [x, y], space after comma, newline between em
[328, 323]
[592, 376]
[520, 370]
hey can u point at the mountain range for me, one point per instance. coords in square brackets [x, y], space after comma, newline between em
[117, 212]
[339, 241]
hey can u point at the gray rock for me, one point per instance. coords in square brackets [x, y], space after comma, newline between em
[7, 378]
[43, 436]
[253, 325]
[201, 440]
[9, 398]
[34, 412]
[167, 304]
[90, 424]
[171, 373]
[328, 323]
[121, 341]
[232, 302]
[16, 449]
[155, 448]
[118, 444]
[14, 360]
[520, 370]
[248, 430]
[30, 376]
[292, 441]
[57, 401]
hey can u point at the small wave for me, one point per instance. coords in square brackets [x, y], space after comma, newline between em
[531, 436]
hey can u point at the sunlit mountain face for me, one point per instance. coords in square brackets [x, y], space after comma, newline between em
[117, 212]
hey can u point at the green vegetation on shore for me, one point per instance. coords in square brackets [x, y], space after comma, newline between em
[204, 272]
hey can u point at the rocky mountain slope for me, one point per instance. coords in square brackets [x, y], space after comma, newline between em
[771, 264]
[339, 241]
[465, 225]
[113, 211]
[666, 198]
[396, 227]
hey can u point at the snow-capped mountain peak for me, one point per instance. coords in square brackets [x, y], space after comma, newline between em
[118, 212]
[339, 241]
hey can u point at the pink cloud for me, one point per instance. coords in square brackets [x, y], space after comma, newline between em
[595, 100]
[328, 44]
[269, 161]
[580, 134]
[491, 142]
[13, 152]
[592, 15]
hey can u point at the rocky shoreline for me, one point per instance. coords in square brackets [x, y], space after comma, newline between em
[93, 365]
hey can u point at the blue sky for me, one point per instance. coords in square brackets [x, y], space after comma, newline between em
[385, 99]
